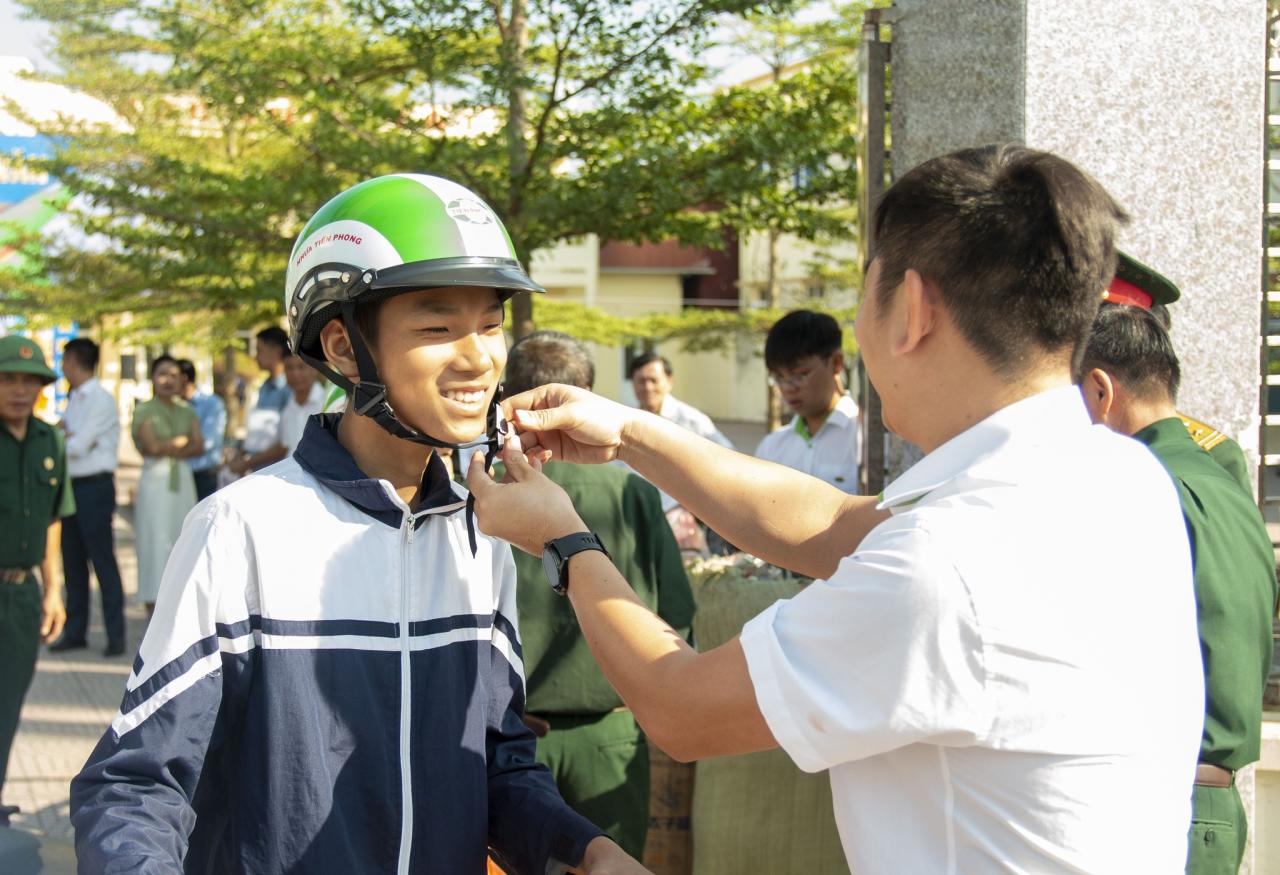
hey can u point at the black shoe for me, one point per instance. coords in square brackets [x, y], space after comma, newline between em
[62, 644]
[6, 811]
[115, 648]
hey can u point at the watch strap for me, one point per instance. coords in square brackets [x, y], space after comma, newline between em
[566, 548]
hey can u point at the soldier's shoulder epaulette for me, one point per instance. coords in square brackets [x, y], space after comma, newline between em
[1203, 434]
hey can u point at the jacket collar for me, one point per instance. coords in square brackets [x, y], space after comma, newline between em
[321, 455]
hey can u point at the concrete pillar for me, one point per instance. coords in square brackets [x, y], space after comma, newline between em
[1162, 102]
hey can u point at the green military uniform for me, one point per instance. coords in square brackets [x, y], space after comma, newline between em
[1223, 449]
[1235, 585]
[34, 492]
[594, 747]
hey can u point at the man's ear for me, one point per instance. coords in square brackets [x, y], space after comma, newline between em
[336, 345]
[917, 304]
[1099, 392]
[837, 362]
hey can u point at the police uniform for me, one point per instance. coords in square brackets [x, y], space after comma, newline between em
[1138, 285]
[34, 493]
[1235, 581]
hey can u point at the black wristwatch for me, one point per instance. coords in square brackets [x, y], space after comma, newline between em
[556, 555]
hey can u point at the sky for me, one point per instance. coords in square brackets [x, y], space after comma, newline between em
[19, 37]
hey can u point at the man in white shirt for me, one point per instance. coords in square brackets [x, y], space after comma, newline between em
[652, 380]
[805, 358]
[92, 427]
[992, 686]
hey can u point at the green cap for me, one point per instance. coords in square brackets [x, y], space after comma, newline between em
[1138, 285]
[20, 355]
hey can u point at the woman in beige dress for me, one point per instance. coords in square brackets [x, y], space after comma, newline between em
[166, 431]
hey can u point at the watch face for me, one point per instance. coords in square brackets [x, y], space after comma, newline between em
[551, 567]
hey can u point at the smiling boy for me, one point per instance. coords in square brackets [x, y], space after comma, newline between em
[333, 682]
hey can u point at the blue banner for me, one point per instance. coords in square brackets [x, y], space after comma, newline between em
[17, 183]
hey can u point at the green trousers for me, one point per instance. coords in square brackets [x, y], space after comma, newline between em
[600, 762]
[20, 609]
[1218, 831]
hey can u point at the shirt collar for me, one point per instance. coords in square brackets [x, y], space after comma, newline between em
[321, 455]
[1030, 421]
[84, 387]
[841, 416]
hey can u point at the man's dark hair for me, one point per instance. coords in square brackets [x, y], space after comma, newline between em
[162, 359]
[84, 351]
[1019, 243]
[1161, 312]
[274, 335]
[548, 357]
[647, 358]
[1130, 344]
[188, 369]
[798, 335]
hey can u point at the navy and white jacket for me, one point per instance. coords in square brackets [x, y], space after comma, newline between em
[330, 684]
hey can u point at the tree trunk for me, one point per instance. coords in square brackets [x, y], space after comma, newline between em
[226, 388]
[773, 300]
[515, 42]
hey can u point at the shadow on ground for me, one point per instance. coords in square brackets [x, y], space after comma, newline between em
[22, 853]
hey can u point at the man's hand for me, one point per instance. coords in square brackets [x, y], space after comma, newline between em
[527, 509]
[53, 616]
[573, 424]
[603, 857]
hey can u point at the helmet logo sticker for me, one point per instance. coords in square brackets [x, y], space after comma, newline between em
[24, 352]
[469, 210]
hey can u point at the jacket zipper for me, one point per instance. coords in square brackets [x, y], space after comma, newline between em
[406, 776]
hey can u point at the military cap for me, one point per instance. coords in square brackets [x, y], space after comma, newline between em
[1138, 285]
[20, 355]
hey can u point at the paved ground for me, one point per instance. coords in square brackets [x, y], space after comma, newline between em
[72, 699]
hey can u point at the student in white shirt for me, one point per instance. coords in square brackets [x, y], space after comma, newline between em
[92, 427]
[992, 685]
[805, 359]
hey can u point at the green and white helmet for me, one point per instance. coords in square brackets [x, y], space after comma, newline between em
[385, 237]
[390, 235]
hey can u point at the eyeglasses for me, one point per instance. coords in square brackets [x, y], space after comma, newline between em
[793, 379]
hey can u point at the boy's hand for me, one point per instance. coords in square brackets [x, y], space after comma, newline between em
[573, 424]
[603, 857]
[527, 509]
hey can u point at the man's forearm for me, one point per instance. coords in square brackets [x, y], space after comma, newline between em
[779, 514]
[690, 704]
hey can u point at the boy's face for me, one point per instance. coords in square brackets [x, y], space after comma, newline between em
[440, 353]
[808, 384]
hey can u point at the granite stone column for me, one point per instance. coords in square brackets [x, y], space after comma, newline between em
[1164, 104]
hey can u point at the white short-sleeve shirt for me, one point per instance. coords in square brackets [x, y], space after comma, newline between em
[996, 682]
[293, 419]
[833, 454]
[689, 417]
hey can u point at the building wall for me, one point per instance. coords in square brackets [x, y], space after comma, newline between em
[728, 385]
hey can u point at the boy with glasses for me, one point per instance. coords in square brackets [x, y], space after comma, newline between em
[806, 365]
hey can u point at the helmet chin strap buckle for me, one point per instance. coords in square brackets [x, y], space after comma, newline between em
[367, 395]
